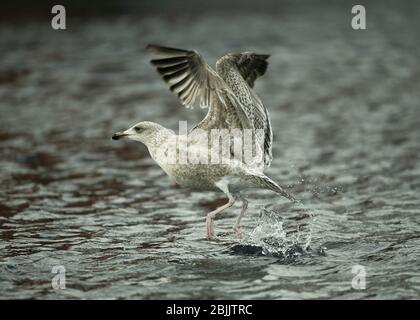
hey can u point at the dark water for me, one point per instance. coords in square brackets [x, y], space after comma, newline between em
[345, 108]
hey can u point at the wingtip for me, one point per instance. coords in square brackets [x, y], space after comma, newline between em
[169, 51]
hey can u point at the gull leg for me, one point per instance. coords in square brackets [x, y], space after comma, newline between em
[210, 217]
[237, 225]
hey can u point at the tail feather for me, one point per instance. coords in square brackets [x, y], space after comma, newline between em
[265, 182]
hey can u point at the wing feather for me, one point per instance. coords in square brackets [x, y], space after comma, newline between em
[251, 66]
[189, 77]
[187, 73]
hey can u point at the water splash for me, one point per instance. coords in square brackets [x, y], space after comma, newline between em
[278, 235]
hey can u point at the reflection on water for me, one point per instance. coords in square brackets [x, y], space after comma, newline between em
[344, 107]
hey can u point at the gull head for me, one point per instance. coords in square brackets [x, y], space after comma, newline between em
[144, 132]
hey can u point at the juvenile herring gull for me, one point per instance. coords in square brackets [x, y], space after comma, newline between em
[232, 104]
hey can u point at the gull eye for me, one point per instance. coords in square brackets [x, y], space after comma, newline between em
[138, 129]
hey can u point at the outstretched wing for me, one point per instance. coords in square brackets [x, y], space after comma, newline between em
[187, 74]
[189, 77]
[251, 66]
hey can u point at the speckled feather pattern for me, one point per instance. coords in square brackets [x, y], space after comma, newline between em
[232, 105]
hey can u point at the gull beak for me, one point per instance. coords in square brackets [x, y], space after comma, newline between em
[118, 135]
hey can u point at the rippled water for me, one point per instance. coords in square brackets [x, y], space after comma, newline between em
[345, 109]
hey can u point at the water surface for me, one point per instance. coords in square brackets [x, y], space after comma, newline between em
[345, 109]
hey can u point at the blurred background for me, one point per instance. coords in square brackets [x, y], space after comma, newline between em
[345, 109]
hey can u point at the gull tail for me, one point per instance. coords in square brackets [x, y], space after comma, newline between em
[264, 182]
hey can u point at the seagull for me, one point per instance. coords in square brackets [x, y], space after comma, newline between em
[227, 92]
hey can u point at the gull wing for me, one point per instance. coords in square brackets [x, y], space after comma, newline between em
[187, 74]
[251, 66]
[190, 77]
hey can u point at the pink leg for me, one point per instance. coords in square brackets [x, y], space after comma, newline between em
[211, 215]
[237, 225]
